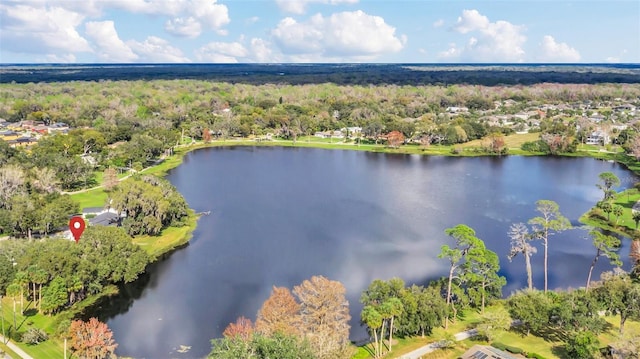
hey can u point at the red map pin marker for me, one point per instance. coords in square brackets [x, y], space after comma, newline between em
[76, 226]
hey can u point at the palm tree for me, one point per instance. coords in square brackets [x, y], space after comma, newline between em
[636, 217]
[22, 278]
[617, 211]
[12, 291]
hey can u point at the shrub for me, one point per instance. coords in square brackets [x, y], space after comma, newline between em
[513, 350]
[34, 336]
[535, 356]
[499, 345]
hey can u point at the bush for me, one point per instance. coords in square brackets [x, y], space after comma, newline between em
[34, 336]
[535, 356]
[513, 350]
[509, 348]
[499, 345]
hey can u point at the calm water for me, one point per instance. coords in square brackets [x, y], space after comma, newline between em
[281, 215]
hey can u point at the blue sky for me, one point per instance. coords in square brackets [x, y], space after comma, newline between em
[268, 31]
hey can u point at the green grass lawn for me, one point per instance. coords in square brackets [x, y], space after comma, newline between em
[625, 224]
[168, 239]
[93, 198]
[511, 141]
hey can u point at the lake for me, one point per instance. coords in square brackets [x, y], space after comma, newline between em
[282, 215]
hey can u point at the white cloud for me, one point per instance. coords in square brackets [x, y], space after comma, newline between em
[61, 58]
[36, 28]
[552, 51]
[187, 27]
[186, 17]
[155, 49]
[300, 6]
[221, 52]
[209, 13]
[471, 20]
[453, 52]
[108, 45]
[438, 23]
[262, 51]
[499, 41]
[258, 50]
[350, 35]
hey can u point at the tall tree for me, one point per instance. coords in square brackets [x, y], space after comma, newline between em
[54, 296]
[13, 290]
[607, 181]
[92, 339]
[549, 222]
[481, 275]
[619, 295]
[393, 309]
[636, 217]
[465, 239]
[110, 179]
[325, 315]
[617, 211]
[280, 313]
[373, 320]
[520, 239]
[532, 308]
[605, 247]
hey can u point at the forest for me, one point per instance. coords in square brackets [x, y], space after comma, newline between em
[118, 127]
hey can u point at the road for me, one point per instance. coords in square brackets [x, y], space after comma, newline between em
[15, 348]
[418, 353]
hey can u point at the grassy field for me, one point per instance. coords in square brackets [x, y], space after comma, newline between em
[624, 225]
[513, 141]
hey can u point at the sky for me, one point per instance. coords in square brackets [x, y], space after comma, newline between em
[317, 31]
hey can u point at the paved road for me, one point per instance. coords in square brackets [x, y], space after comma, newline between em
[418, 353]
[15, 348]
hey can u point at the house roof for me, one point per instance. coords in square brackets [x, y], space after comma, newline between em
[89, 210]
[485, 352]
[104, 219]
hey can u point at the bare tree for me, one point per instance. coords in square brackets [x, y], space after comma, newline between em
[12, 180]
[325, 316]
[520, 239]
[45, 180]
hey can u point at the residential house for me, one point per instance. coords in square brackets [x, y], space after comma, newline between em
[101, 216]
[598, 137]
[486, 352]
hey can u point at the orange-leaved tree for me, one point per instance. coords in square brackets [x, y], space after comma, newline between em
[280, 313]
[92, 339]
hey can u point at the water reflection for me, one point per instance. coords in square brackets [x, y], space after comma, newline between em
[281, 215]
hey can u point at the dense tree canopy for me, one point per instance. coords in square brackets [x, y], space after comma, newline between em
[149, 203]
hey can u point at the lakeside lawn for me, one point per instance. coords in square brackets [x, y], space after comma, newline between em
[623, 225]
[169, 239]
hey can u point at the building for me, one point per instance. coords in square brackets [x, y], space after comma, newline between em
[486, 352]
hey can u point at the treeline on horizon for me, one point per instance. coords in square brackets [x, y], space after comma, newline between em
[341, 74]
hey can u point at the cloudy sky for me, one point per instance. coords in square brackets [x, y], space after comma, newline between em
[228, 31]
